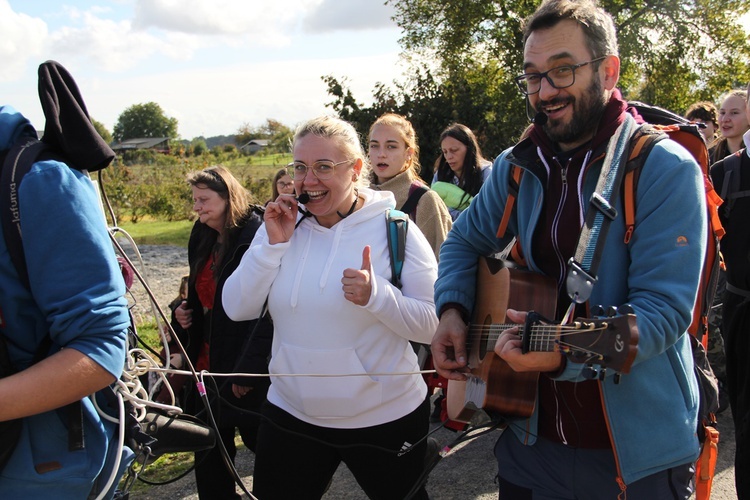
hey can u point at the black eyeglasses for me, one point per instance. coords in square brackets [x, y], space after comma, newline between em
[560, 77]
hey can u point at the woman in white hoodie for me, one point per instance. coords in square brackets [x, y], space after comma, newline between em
[341, 329]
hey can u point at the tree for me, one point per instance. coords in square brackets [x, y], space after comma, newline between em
[464, 55]
[102, 131]
[144, 120]
[279, 136]
[199, 146]
[696, 44]
[276, 133]
[245, 134]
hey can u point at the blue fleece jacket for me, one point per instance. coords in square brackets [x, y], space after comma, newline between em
[78, 297]
[652, 411]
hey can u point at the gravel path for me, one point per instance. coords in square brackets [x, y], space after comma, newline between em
[467, 472]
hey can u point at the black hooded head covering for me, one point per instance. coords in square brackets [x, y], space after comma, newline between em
[68, 128]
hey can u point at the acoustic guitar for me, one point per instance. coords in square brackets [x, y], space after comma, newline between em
[492, 384]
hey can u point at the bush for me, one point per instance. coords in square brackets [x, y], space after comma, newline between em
[158, 189]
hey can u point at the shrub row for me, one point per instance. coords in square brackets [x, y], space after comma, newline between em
[154, 186]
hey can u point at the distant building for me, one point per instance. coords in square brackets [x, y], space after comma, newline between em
[254, 146]
[159, 144]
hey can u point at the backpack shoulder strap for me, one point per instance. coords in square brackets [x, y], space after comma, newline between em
[416, 191]
[514, 181]
[18, 162]
[397, 225]
[640, 146]
[730, 188]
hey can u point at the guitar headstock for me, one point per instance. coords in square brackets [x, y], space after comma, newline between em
[609, 342]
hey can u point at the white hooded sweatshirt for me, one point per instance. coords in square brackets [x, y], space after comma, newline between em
[318, 332]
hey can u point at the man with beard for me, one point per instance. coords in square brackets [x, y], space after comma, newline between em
[617, 434]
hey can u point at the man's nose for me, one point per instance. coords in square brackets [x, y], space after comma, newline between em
[546, 90]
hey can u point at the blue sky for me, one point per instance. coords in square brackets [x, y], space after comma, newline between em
[212, 64]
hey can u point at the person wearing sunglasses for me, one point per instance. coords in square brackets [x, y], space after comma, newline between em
[345, 385]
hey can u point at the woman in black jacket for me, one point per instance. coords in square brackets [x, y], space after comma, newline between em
[227, 224]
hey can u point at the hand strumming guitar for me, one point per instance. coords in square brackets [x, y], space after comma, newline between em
[449, 346]
[508, 347]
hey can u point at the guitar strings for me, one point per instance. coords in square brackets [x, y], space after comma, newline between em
[548, 336]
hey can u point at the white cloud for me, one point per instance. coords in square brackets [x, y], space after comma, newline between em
[349, 15]
[114, 46]
[289, 91]
[22, 37]
[204, 81]
[219, 17]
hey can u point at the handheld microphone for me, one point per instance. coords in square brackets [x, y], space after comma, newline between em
[540, 118]
[303, 198]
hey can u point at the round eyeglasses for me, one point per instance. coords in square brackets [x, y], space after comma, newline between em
[323, 169]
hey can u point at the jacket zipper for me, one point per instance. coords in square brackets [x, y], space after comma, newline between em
[620, 482]
[558, 214]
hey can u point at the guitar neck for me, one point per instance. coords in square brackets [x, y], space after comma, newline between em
[609, 341]
[546, 338]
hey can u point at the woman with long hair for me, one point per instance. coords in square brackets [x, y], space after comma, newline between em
[227, 222]
[461, 169]
[394, 163]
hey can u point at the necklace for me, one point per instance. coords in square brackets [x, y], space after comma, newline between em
[351, 209]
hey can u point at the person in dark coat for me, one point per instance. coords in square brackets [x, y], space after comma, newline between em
[735, 246]
[227, 224]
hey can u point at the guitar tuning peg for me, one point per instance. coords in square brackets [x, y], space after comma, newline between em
[597, 310]
[602, 373]
[590, 372]
[612, 312]
[626, 309]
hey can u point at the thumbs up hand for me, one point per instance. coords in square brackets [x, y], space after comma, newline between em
[356, 282]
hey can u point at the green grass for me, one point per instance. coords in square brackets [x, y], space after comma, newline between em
[168, 467]
[154, 232]
[149, 334]
[163, 469]
[259, 167]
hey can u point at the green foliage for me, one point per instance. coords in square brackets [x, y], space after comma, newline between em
[276, 133]
[156, 189]
[102, 130]
[464, 55]
[199, 147]
[144, 120]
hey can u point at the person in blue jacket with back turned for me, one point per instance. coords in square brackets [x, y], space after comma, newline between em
[77, 297]
[633, 434]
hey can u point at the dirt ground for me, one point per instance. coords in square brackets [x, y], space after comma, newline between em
[465, 473]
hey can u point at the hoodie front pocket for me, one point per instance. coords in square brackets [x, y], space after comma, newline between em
[332, 395]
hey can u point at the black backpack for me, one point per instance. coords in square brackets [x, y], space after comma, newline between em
[730, 187]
